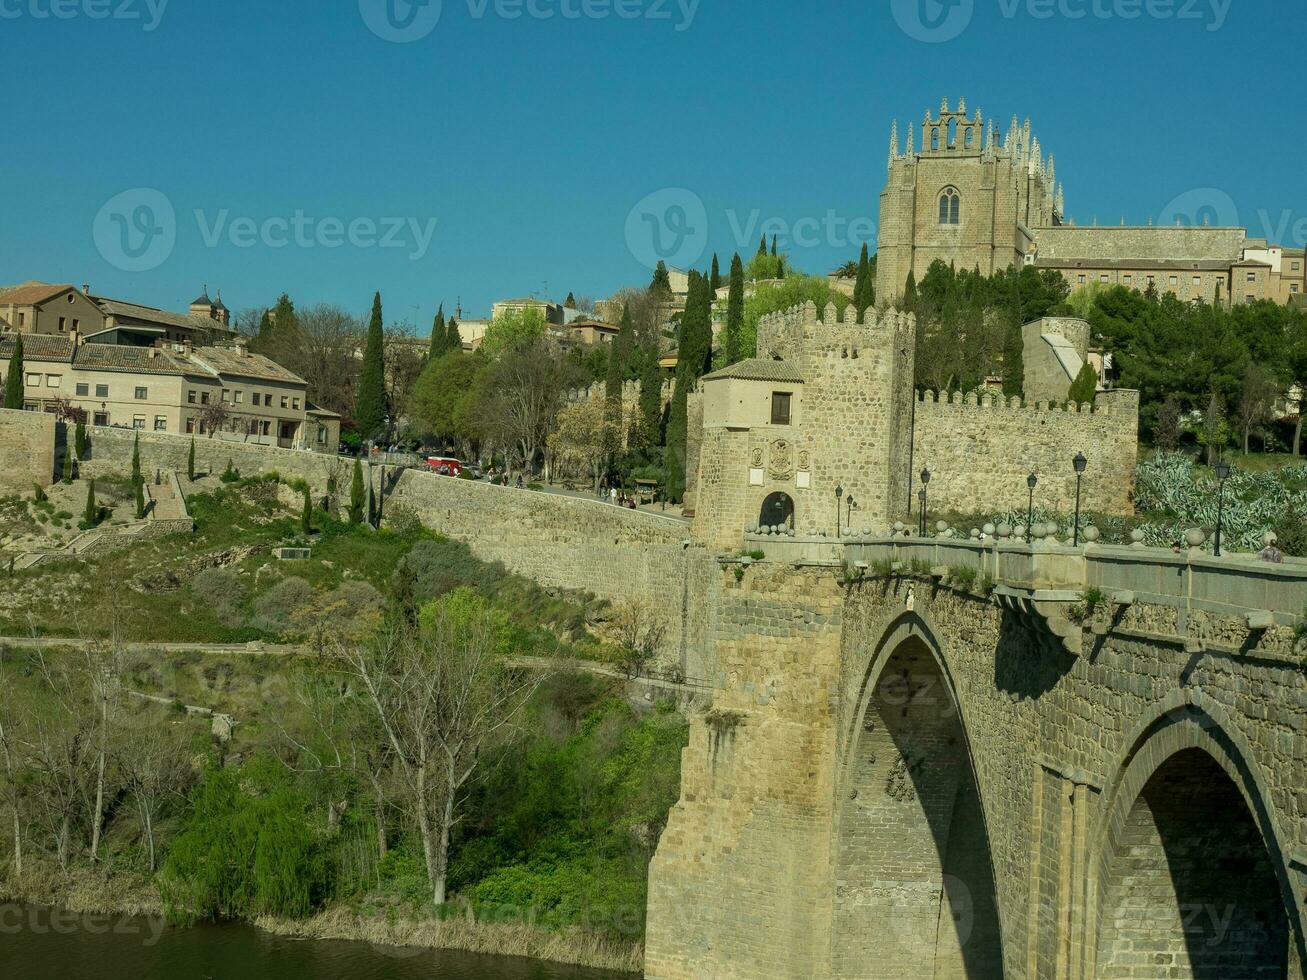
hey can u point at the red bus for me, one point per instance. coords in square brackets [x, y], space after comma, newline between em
[445, 465]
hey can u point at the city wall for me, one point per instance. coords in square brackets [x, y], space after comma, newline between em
[27, 449]
[980, 453]
[576, 543]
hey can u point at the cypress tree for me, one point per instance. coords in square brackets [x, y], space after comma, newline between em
[455, 339]
[356, 495]
[439, 334]
[190, 461]
[773, 246]
[616, 375]
[651, 398]
[79, 439]
[1014, 381]
[14, 380]
[306, 517]
[92, 512]
[370, 406]
[1085, 387]
[140, 500]
[910, 293]
[863, 281]
[661, 278]
[716, 274]
[733, 342]
[693, 359]
[68, 465]
[136, 459]
[570, 302]
[762, 246]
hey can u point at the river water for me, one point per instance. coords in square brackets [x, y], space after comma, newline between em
[43, 944]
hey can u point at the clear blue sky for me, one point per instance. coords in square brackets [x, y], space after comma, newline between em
[530, 139]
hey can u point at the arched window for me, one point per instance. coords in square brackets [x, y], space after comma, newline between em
[934, 138]
[968, 137]
[950, 206]
[777, 511]
[952, 133]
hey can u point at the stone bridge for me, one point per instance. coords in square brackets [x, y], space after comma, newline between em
[961, 760]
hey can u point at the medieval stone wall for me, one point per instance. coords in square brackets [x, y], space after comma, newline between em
[574, 543]
[980, 453]
[27, 450]
[828, 827]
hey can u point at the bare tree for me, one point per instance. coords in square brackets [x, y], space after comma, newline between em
[1257, 397]
[214, 417]
[440, 693]
[640, 627]
[523, 394]
[583, 439]
[246, 322]
[156, 769]
[327, 356]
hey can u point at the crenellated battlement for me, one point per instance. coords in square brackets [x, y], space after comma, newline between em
[804, 329]
[1108, 403]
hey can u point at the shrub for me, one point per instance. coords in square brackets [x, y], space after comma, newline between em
[963, 576]
[230, 474]
[222, 591]
[40, 495]
[277, 610]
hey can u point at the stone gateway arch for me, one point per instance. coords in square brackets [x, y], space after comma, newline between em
[911, 773]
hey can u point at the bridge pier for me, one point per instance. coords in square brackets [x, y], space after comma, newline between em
[902, 777]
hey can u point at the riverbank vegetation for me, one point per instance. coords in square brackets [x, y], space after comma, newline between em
[418, 760]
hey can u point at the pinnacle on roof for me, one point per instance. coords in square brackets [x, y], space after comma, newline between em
[894, 141]
[203, 299]
[218, 305]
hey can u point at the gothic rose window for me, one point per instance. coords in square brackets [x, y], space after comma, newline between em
[950, 206]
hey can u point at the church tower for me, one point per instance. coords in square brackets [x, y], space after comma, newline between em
[965, 197]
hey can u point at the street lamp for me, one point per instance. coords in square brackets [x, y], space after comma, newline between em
[848, 522]
[1222, 474]
[1032, 481]
[839, 497]
[925, 482]
[1080, 463]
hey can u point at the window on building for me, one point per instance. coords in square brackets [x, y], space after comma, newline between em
[63, 324]
[1293, 287]
[1198, 280]
[161, 423]
[226, 395]
[267, 427]
[934, 138]
[322, 434]
[1250, 298]
[33, 380]
[138, 421]
[1128, 279]
[285, 401]
[204, 398]
[190, 397]
[1102, 277]
[295, 404]
[967, 138]
[101, 391]
[54, 380]
[267, 401]
[83, 390]
[22, 320]
[142, 394]
[1080, 279]
[1152, 280]
[780, 407]
[238, 396]
[30, 407]
[1296, 267]
[100, 418]
[1174, 280]
[1252, 277]
[77, 324]
[190, 425]
[950, 206]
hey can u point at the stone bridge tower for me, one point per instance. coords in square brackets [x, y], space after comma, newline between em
[962, 197]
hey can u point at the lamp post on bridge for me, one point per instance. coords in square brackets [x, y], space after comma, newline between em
[1032, 481]
[925, 482]
[1222, 474]
[1080, 463]
[839, 499]
[848, 518]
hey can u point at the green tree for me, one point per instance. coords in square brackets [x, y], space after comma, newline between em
[651, 398]
[136, 459]
[370, 407]
[79, 439]
[356, 497]
[513, 331]
[694, 356]
[732, 341]
[909, 301]
[306, 515]
[864, 288]
[762, 246]
[662, 280]
[69, 466]
[190, 461]
[570, 302]
[455, 340]
[716, 280]
[439, 334]
[140, 500]
[445, 396]
[773, 247]
[91, 516]
[15, 377]
[1085, 387]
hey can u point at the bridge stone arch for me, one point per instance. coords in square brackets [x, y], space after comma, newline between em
[914, 881]
[1190, 874]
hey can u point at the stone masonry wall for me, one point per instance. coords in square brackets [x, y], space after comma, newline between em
[574, 543]
[981, 453]
[110, 451]
[27, 444]
[761, 858]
